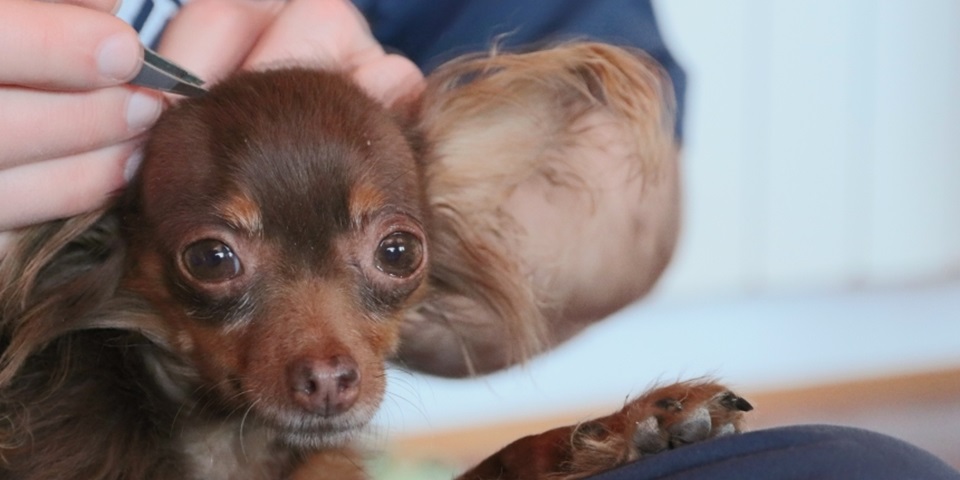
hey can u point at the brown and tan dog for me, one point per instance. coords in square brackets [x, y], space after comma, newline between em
[231, 314]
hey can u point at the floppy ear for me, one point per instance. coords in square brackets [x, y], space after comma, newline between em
[45, 282]
[528, 160]
[59, 277]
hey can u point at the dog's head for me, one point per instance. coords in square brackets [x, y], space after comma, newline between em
[277, 228]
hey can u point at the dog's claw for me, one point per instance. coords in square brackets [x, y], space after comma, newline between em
[733, 402]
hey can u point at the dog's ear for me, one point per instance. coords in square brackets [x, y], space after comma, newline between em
[578, 134]
[52, 279]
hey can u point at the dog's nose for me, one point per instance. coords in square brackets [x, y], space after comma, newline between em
[325, 387]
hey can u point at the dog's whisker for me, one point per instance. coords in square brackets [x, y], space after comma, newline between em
[243, 421]
[417, 406]
[176, 416]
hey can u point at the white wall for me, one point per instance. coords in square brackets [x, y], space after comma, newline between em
[823, 147]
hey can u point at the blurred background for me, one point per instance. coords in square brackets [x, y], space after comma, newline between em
[819, 269]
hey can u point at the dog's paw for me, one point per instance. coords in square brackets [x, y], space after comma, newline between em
[662, 419]
[681, 414]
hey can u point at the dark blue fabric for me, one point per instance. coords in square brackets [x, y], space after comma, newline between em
[430, 32]
[791, 453]
[142, 15]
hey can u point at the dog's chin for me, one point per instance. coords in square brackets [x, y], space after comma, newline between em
[308, 432]
[304, 440]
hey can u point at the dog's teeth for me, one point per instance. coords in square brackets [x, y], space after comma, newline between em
[648, 438]
[692, 429]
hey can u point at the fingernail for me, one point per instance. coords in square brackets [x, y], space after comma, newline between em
[133, 164]
[142, 111]
[119, 56]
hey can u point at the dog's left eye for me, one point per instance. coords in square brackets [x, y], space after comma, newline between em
[399, 254]
[211, 261]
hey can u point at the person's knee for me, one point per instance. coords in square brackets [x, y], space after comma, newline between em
[830, 451]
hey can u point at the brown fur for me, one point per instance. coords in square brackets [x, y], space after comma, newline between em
[120, 362]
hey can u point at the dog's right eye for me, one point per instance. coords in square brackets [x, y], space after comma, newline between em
[399, 254]
[211, 261]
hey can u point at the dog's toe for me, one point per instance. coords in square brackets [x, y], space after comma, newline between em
[684, 413]
[649, 438]
[695, 427]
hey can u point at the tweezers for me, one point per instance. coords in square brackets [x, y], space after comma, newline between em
[158, 73]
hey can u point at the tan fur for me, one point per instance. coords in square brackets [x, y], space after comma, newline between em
[364, 198]
[242, 213]
[545, 171]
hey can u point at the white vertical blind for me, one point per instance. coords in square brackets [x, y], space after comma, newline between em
[823, 143]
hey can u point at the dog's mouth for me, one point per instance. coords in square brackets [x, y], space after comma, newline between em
[307, 431]
[317, 439]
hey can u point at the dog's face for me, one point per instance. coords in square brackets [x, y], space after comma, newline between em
[277, 226]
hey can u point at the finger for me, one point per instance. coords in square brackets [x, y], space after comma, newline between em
[318, 33]
[39, 125]
[44, 191]
[390, 79]
[55, 46]
[109, 6]
[212, 37]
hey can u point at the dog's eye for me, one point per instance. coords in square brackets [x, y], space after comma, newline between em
[211, 261]
[399, 254]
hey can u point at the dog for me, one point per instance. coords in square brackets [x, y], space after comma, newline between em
[230, 314]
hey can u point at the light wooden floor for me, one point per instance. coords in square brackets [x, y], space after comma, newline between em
[923, 409]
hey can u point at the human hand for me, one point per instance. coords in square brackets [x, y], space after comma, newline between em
[68, 124]
[213, 38]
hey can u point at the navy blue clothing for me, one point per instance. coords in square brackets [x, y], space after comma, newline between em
[430, 32]
[791, 453]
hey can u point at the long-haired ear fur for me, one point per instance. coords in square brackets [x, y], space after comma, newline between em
[70, 341]
[490, 123]
[57, 278]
